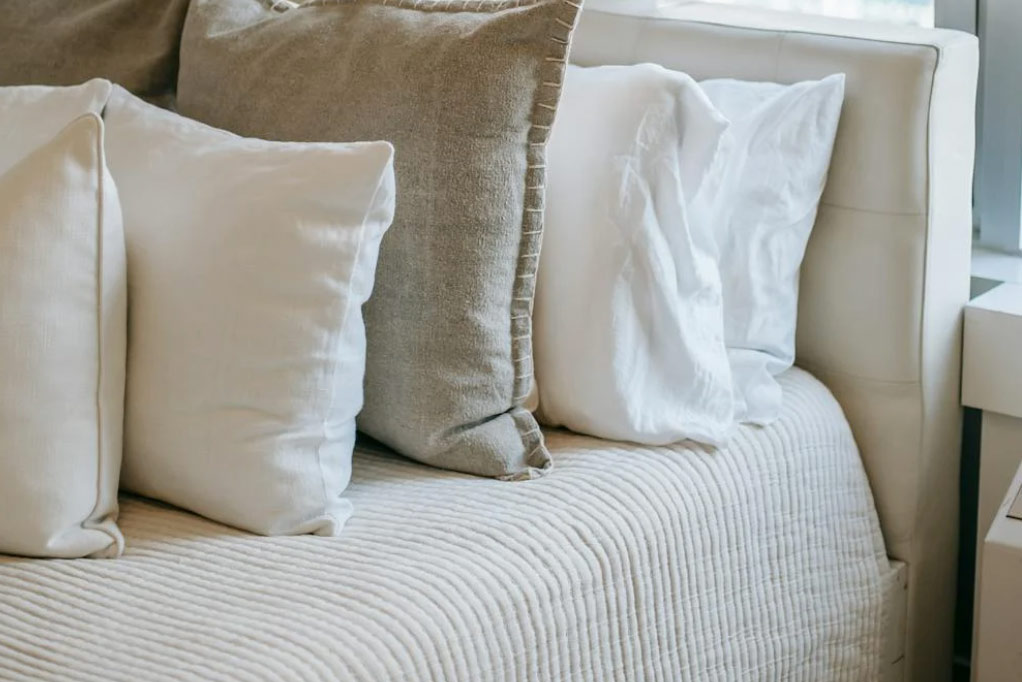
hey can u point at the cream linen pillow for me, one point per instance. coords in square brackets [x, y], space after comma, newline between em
[30, 115]
[62, 347]
[249, 262]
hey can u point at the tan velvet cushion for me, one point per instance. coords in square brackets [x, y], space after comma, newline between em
[466, 92]
[65, 42]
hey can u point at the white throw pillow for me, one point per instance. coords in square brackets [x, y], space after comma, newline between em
[249, 262]
[62, 347]
[30, 115]
[628, 318]
[762, 198]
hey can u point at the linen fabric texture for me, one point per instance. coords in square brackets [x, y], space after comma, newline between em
[629, 314]
[62, 337]
[249, 263]
[762, 198]
[32, 115]
[467, 93]
[64, 42]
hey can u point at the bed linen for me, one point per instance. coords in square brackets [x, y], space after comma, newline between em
[761, 561]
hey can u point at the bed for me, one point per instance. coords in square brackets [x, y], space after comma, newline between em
[628, 563]
[820, 548]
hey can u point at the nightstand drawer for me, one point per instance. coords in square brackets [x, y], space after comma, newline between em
[998, 644]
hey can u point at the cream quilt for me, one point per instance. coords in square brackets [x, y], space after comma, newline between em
[624, 564]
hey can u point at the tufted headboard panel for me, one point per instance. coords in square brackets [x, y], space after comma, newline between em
[887, 270]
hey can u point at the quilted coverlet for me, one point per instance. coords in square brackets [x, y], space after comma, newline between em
[763, 561]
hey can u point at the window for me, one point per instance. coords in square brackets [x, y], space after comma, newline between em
[920, 12]
[999, 171]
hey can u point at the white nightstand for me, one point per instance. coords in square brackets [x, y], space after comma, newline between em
[992, 382]
[997, 652]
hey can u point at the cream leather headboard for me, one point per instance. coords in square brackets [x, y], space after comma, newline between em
[887, 270]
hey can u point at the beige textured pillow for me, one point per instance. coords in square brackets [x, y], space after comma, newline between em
[62, 349]
[466, 92]
[63, 42]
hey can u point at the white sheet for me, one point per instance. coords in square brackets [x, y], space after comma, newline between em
[626, 563]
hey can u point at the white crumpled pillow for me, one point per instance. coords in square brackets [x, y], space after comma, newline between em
[628, 320]
[761, 200]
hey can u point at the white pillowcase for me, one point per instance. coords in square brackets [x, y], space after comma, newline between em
[628, 336]
[62, 339]
[249, 262]
[762, 199]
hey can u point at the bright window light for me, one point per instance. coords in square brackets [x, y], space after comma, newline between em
[918, 12]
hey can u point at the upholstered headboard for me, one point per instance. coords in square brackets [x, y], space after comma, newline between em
[887, 270]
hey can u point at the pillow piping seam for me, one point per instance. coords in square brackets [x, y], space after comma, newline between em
[90, 522]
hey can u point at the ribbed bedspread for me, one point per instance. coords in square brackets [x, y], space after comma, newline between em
[626, 563]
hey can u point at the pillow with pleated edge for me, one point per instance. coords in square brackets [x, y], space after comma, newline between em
[466, 92]
[761, 200]
[629, 318]
[249, 262]
[62, 347]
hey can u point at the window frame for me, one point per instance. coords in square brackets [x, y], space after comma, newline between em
[999, 160]
[957, 14]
